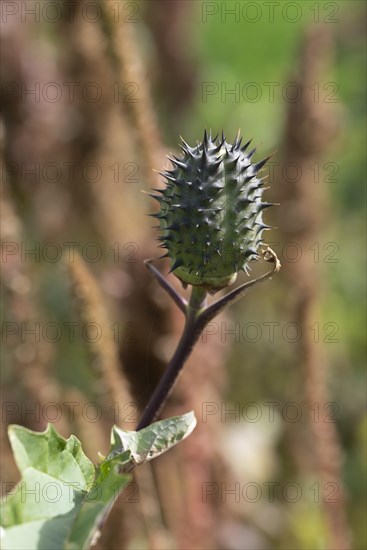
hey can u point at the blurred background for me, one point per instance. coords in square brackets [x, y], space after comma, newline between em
[94, 95]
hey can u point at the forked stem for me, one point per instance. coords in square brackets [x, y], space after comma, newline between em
[233, 296]
[171, 291]
[197, 315]
[189, 337]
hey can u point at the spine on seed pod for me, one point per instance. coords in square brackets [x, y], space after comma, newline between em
[211, 212]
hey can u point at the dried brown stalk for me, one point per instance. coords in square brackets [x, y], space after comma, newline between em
[92, 310]
[310, 128]
[131, 71]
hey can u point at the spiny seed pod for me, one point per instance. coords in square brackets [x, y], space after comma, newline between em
[211, 212]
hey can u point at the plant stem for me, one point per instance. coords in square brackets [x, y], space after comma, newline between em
[197, 316]
[171, 291]
[189, 336]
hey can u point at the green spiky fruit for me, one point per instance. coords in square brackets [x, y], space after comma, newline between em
[211, 212]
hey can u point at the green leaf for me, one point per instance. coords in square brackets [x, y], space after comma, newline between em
[50, 453]
[62, 499]
[153, 440]
[56, 475]
[98, 502]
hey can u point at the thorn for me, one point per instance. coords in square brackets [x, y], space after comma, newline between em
[237, 142]
[173, 227]
[251, 252]
[226, 148]
[216, 149]
[206, 141]
[264, 205]
[178, 163]
[168, 238]
[185, 143]
[188, 149]
[263, 226]
[233, 163]
[153, 196]
[245, 201]
[244, 147]
[178, 263]
[251, 153]
[158, 215]
[219, 146]
[260, 164]
[168, 176]
[204, 157]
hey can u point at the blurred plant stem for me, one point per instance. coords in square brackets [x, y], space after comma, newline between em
[92, 309]
[129, 68]
[310, 128]
[197, 316]
[189, 336]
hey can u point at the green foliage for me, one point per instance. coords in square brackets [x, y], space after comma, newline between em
[62, 498]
